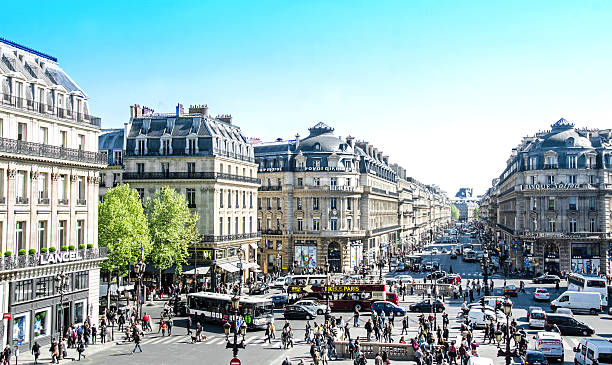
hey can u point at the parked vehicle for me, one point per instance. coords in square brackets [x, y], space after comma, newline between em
[541, 294]
[427, 305]
[392, 297]
[589, 302]
[453, 255]
[299, 312]
[546, 279]
[388, 308]
[568, 325]
[480, 317]
[564, 311]
[532, 309]
[401, 267]
[534, 357]
[434, 251]
[590, 349]
[551, 344]
[511, 290]
[537, 319]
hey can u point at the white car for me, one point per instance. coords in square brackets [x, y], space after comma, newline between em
[404, 279]
[434, 251]
[541, 294]
[313, 305]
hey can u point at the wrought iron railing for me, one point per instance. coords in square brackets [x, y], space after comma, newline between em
[230, 237]
[81, 202]
[203, 175]
[271, 188]
[45, 150]
[62, 201]
[22, 200]
[48, 110]
[43, 201]
[26, 261]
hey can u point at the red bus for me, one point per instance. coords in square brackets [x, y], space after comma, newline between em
[343, 297]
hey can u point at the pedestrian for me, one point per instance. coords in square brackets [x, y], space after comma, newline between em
[170, 325]
[269, 332]
[356, 318]
[136, 341]
[368, 327]
[188, 324]
[53, 349]
[94, 334]
[36, 351]
[6, 355]
[81, 349]
[163, 327]
[103, 332]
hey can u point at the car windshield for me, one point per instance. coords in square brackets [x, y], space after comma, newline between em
[538, 315]
[605, 358]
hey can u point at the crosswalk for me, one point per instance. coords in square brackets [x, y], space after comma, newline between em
[258, 340]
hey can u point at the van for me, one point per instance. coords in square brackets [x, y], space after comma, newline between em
[551, 345]
[578, 301]
[593, 349]
[480, 317]
[537, 319]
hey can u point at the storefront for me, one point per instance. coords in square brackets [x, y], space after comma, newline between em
[586, 257]
[356, 254]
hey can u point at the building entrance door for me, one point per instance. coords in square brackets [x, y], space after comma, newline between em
[334, 257]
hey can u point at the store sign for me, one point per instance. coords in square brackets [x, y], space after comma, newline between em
[341, 188]
[60, 257]
[7, 316]
[555, 186]
[326, 168]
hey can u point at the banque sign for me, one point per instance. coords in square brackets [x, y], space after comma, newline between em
[554, 186]
[60, 257]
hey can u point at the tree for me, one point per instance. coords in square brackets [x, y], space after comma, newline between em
[476, 212]
[122, 229]
[454, 212]
[172, 227]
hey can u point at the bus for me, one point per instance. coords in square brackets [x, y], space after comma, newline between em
[414, 263]
[592, 283]
[217, 308]
[343, 297]
[308, 280]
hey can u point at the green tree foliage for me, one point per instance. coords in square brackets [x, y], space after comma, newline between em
[454, 212]
[172, 227]
[476, 212]
[122, 228]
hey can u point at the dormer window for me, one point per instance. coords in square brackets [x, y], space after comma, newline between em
[165, 147]
[141, 147]
[192, 147]
[317, 147]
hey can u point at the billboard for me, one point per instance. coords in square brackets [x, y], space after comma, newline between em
[305, 256]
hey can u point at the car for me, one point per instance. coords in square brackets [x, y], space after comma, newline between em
[388, 308]
[435, 275]
[534, 357]
[578, 301]
[427, 305]
[279, 300]
[537, 319]
[456, 278]
[444, 250]
[566, 311]
[551, 345]
[259, 288]
[429, 266]
[511, 290]
[541, 294]
[405, 279]
[453, 255]
[298, 312]
[313, 305]
[568, 325]
[434, 251]
[401, 267]
[281, 282]
[532, 309]
[436, 265]
[546, 279]
[446, 280]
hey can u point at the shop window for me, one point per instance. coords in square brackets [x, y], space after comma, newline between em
[42, 319]
[21, 327]
[23, 291]
[45, 287]
[79, 312]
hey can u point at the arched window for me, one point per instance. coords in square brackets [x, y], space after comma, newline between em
[317, 147]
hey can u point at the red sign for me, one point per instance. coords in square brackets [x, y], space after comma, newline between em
[7, 316]
[235, 361]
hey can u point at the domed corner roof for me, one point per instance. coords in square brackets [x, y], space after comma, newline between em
[565, 138]
[326, 142]
[111, 140]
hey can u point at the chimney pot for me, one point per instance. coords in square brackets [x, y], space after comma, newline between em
[180, 110]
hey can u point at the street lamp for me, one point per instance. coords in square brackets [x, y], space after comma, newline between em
[485, 270]
[327, 314]
[226, 328]
[61, 287]
[139, 269]
[507, 307]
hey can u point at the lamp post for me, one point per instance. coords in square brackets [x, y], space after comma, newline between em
[507, 306]
[139, 269]
[242, 328]
[61, 287]
[485, 271]
[327, 314]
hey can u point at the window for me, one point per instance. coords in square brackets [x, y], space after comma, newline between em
[221, 226]
[349, 224]
[237, 205]
[140, 167]
[191, 198]
[229, 225]
[236, 225]
[349, 203]
[61, 187]
[21, 187]
[44, 135]
[572, 225]
[333, 181]
[572, 203]
[80, 232]
[141, 147]
[140, 192]
[315, 203]
[61, 233]
[278, 204]
[533, 180]
[43, 182]
[229, 198]
[64, 139]
[81, 140]
[552, 225]
[269, 223]
[300, 224]
[534, 203]
[20, 239]
[192, 146]
[299, 203]
[300, 181]
[165, 167]
[24, 291]
[42, 235]
[550, 162]
[316, 163]
[221, 198]
[533, 163]
[166, 147]
[278, 182]
[333, 203]
[250, 224]
[81, 280]
[45, 287]
[244, 199]
[551, 203]
[316, 181]
[278, 224]
[118, 157]
[333, 224]
[81, 187]
[22, 131]
[592, 226]
[243, 224]
[251, 199]
[591, 203]
[550, 179]
[191, 167]
[571, 179]
[571, 162]
[316, 224]
[259, 224]
[592, 179]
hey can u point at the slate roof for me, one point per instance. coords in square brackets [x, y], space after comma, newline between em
[182, 126]
[111, 139]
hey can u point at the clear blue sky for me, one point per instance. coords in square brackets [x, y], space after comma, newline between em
[446, 88]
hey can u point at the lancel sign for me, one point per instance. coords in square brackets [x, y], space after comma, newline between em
[60, 257]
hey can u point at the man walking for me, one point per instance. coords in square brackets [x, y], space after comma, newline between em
[136, 341]
[356, 318]
[188, 324]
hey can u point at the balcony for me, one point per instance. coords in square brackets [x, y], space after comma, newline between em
[26, 261]
[48, 111]
[43, 201]
[270, 188]
[230, 237]
[272, 232]
[81, 202]
[550, 166]
[48, 151]
[62, 201]
[203, 175]
[204, 153]
[22, 200]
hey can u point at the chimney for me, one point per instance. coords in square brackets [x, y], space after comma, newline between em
[135, 111]
[179, 110]
[147, 111]
[386, 159]
[227, 118]
[297, 141]
[199, 109]
[349, 141]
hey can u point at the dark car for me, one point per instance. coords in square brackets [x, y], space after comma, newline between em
[435, 275]
[388, 308]
[427, 306]
[260, 288]
[279, 300]
[546, 279]
[298, 312]
[511, 290]
[179, 307]
[568, 325]
[534, 357]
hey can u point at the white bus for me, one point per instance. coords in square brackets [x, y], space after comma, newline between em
[589, 283]
[217, 308]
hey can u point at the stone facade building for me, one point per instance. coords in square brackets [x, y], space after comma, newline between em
[49, 174]
[207, 159]
[552, 202]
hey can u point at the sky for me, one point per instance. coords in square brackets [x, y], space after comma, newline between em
[445, 88]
